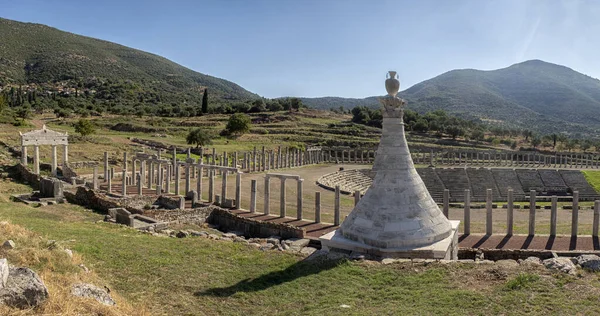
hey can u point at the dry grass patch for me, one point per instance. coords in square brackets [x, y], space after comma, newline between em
[59, 272]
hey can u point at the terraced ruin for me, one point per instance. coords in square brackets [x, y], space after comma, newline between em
[546, 182]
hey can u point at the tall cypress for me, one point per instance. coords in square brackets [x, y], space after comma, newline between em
[205, 101]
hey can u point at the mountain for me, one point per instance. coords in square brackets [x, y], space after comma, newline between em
[534, 94]
[38, 54]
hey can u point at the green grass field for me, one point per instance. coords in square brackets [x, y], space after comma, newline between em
[198, 276]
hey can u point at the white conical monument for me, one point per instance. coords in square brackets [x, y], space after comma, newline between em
[397, 217]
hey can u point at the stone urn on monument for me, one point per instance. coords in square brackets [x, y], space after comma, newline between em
[397, 217]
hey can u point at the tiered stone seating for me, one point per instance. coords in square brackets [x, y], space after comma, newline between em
[507, 179]
[481, 179]
[456, 181]
[434, 184]
[348, 180]
[530, 180]
[575, 180]
[553, 182]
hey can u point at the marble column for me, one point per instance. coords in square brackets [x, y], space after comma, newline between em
[224, 186]
[105, 166]
[336, 206]
[299, 199]
[267, 195]
[211, 185]
[317, 207]
[95, 179]
[509, 213]
[65, 154]
[24, 155]
[253, 196]
[177, 178]
[199, 182]
[36, 159]
[124, 183]
[238, 190]
[575, 214]
[282, 201]
[54, 158]
[168, 180]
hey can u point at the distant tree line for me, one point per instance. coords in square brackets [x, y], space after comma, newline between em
[441, 124]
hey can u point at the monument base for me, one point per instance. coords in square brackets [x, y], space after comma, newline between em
[446, 249]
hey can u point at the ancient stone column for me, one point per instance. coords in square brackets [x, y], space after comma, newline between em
[109, 183]
[214, 156]
[267, 195]
[105, 166]
[24, 155]
[595, 223]
[142, 172]
[467, 212]
[199, 182]
[125, 162]
[317, 207]
[299, 199]
[553, 213]
[488, 217]
[235, 160]
[356, 197]
[95, 179]
[133, 171]
[446, 204]
[150, 174]
[509, 213]
[168, 181]
[188, 178]
[54, 160]
[65, 154]
[532, 194]
[336, 206]
[279, 155]
[223, 186]
[282, 201]
[575, 214]
[211, 185]
[254, 159]
[238, 190]
[263, 160]
[253, 196]
[124, 183]
[36, 159]
[177, 178]
[139, 184]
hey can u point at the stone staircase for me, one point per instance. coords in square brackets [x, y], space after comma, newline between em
[481, 179]
[507, 179]
[575, 180]
[530, 180]
[434, 184]
[455, 180]
[553, 182]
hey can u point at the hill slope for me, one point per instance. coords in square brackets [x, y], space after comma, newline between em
[35, 53]
[533, 94]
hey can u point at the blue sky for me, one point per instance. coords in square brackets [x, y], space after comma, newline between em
[338, 47]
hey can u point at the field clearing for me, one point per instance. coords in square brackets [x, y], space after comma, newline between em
[168, 276]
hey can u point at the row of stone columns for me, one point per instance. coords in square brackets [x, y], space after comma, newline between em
[349, 155]
[532, 213]
[36, 158]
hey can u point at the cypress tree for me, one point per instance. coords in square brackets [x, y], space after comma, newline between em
[205, 101]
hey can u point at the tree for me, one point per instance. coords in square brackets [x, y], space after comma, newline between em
[238, 124]
[24, 112]
[85, 127]
[421, 125]
[455, 131]
[535, 141]
[296, 104]
[205, 101]
[199, 137]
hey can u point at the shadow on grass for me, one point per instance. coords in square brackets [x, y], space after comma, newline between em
[275, 278]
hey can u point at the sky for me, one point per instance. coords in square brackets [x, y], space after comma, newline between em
[316, 48]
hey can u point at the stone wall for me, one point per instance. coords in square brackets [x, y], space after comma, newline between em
[68, 172]
[26, 175]
[196, 216]
[100, 202]
[168, 202]
[228, 221]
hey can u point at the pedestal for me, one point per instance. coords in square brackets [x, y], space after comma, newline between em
[446, 249]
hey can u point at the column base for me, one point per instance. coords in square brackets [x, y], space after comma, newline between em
[446, 249]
